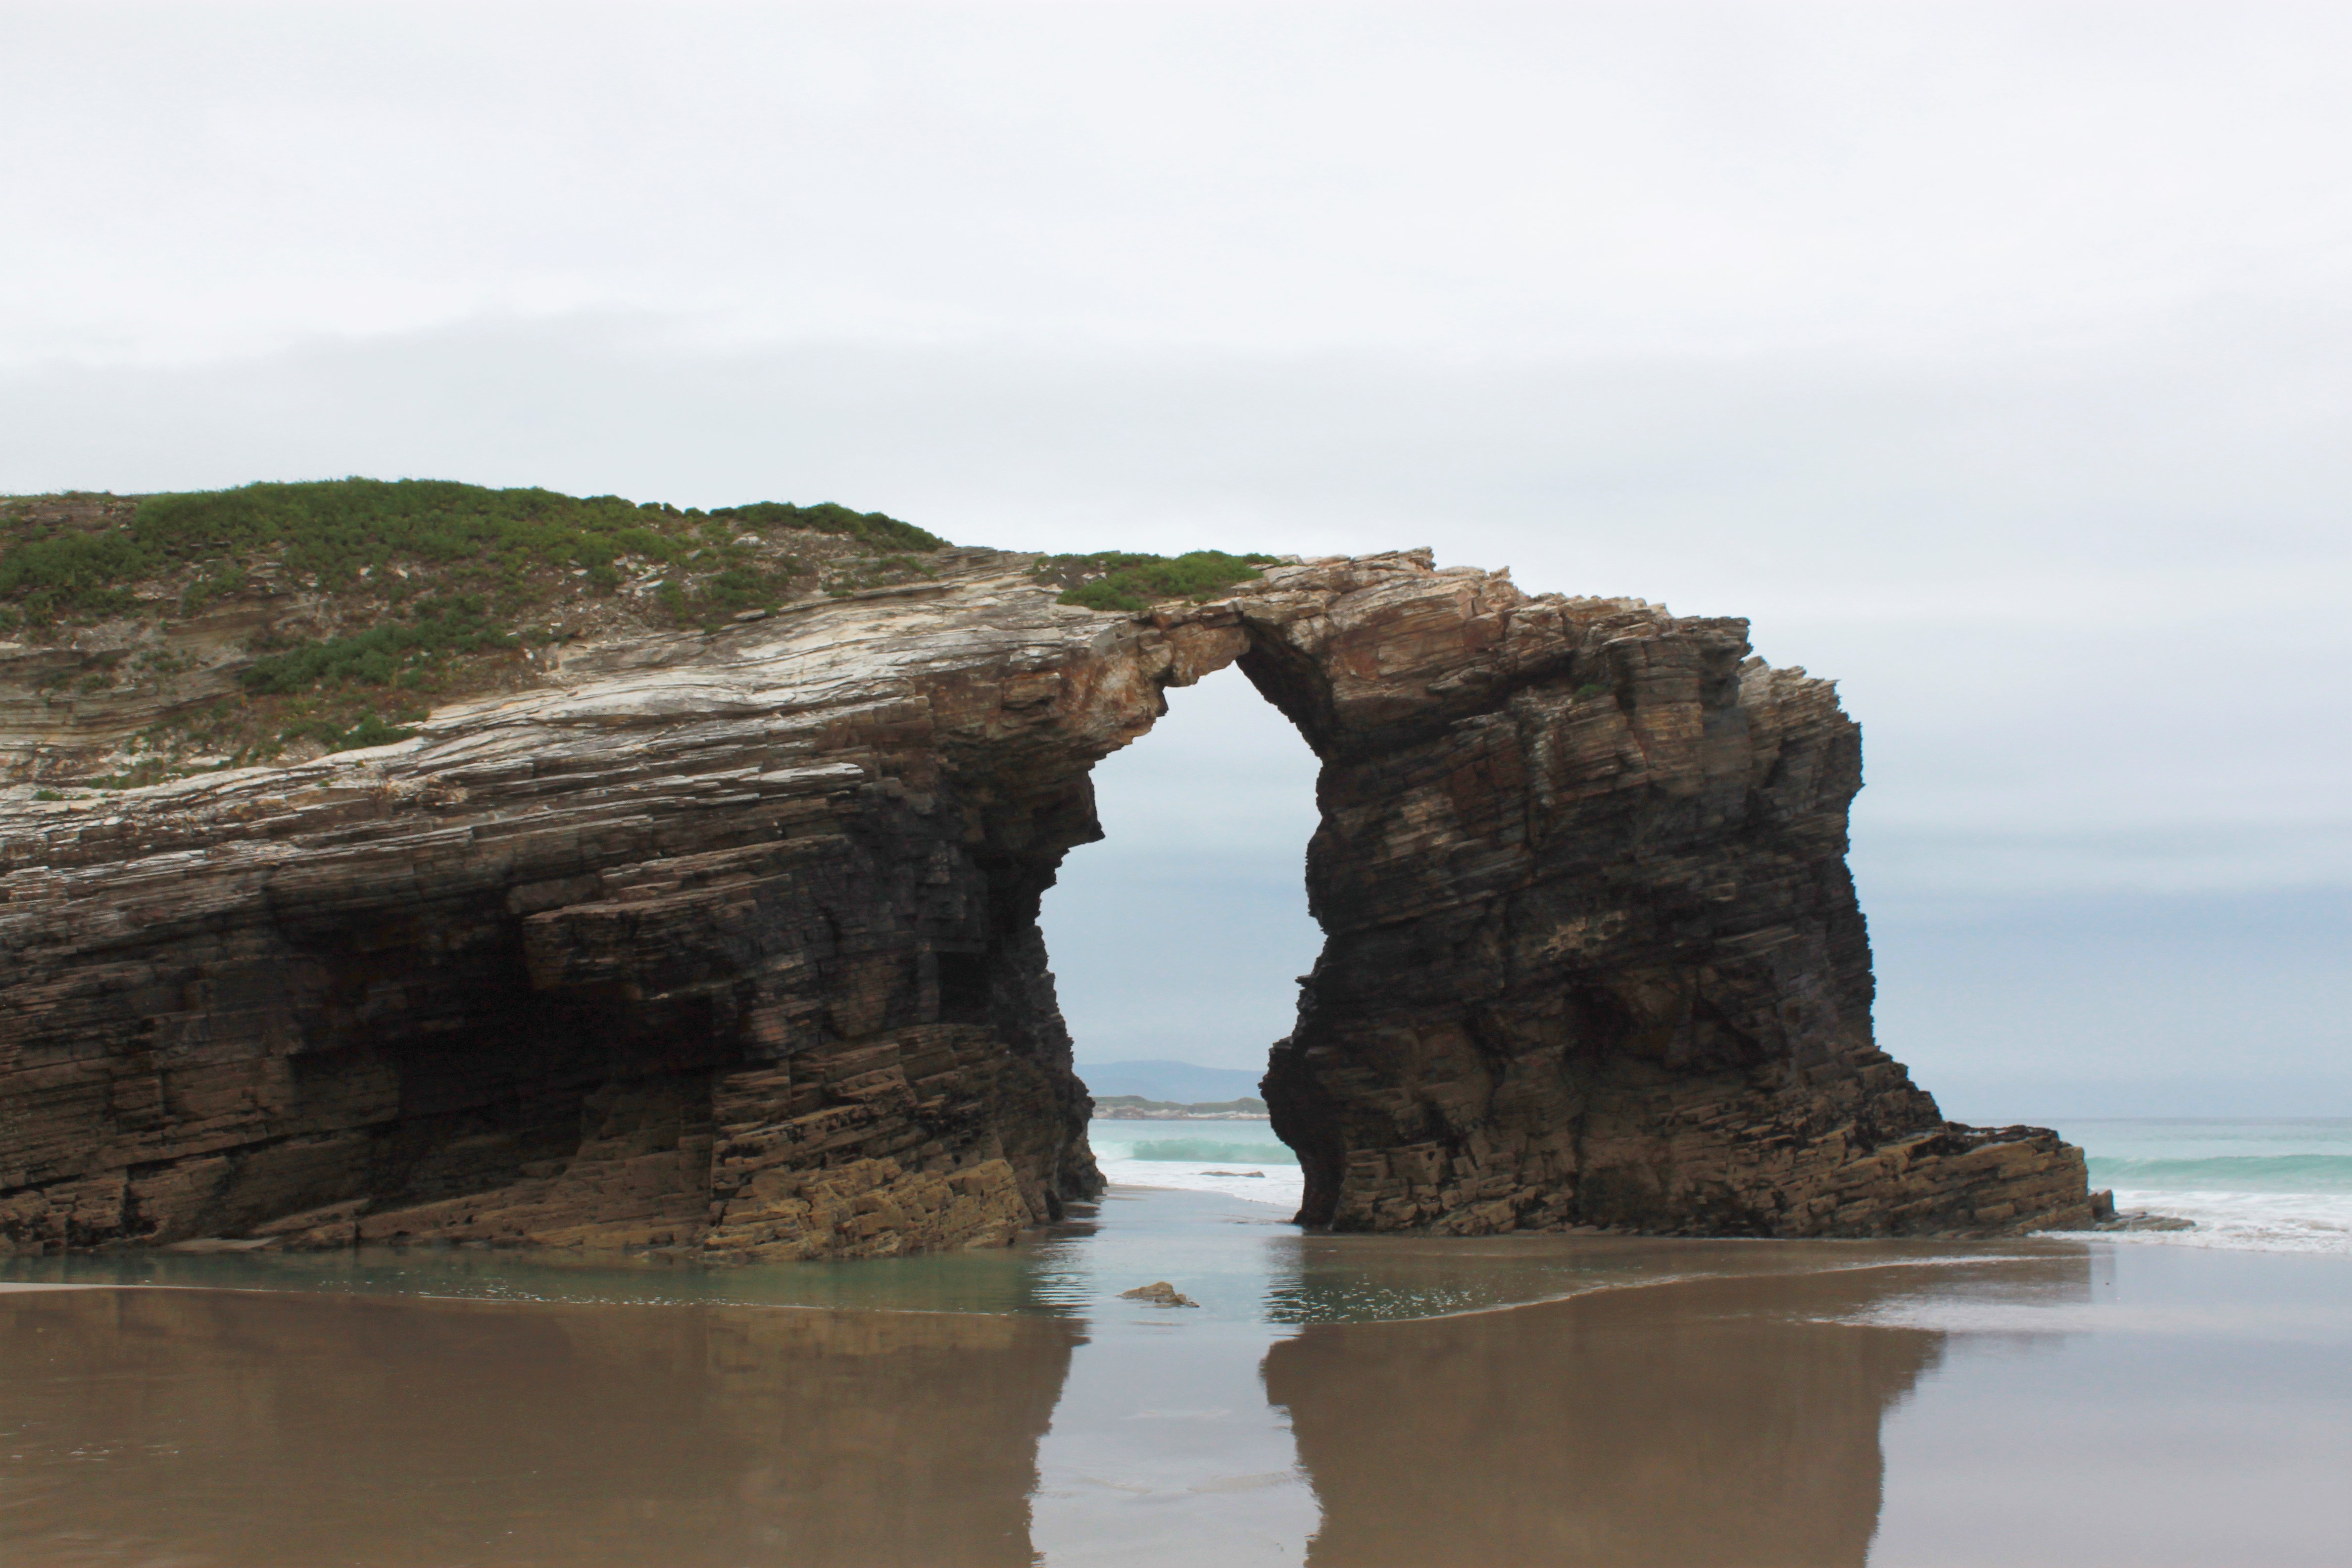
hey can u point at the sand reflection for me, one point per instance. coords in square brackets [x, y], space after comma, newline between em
[1726, 1421]
[1729, 1416]
[199, 1427]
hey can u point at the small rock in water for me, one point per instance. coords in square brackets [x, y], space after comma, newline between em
[1159, 1293]
[221, 1243]
[1259, 1173]
[2141, 1219]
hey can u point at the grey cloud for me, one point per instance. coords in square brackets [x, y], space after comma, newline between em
[1990, 358]
[2059, 603]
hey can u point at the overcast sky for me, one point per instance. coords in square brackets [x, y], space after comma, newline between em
[1992, 359]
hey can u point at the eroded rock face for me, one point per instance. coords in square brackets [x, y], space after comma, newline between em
[1593, 957]
[727, 944]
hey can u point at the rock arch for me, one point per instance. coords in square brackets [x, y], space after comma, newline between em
[727, 944]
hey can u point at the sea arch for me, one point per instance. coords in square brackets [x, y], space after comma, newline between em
[726, 943]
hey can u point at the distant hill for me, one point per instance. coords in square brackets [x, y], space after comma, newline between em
[1179, 1082]
[1134, 1107]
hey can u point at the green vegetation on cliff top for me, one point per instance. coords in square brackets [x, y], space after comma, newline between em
[406, 586]
[1114, 581]
[354, 537]
[383, 591]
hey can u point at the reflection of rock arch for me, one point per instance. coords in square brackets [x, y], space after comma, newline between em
[285, 1427]
[728, 943]
[1716, 1424]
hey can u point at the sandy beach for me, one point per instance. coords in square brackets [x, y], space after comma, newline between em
[1331, 1401]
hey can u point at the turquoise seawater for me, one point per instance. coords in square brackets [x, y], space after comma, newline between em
[2307, 1155]
[2277, 1186]
[2282, 1185]
[1194, 1149]
[2231, 1173]
[1238, 1159]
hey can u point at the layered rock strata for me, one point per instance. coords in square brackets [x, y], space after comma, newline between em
[726, 943]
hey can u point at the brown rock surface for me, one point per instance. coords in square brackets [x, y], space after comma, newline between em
[727, 942]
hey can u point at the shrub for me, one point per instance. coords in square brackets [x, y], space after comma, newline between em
[430, 586]
[73, 572]
[867, 527]
[509, 546]
[379, 656]
[1115, 581]
[736, 588]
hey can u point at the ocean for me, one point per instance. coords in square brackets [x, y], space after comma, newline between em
[2270, 1185]
[1238, 1159]
[2281, 1185]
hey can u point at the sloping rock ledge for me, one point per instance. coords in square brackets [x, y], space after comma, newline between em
[726, 943]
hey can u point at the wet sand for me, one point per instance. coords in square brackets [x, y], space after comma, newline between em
[1697, 1404]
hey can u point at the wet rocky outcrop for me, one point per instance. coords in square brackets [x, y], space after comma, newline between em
[726, 943]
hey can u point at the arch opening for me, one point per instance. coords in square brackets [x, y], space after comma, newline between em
[1178, 939]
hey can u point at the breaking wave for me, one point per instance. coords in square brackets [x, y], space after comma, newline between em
[2228, 1172]
[1203, 1151]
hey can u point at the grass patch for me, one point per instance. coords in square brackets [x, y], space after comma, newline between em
[1112, 580]
[399, 651]
[372, 538]
[366, 591]
[872, 528]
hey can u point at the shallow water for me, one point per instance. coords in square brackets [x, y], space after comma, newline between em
[1336, 1401]
[2276, 1185]
[1238, 1261]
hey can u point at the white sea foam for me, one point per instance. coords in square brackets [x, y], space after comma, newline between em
[2260, 1222]
[1201, 1157]
[2304, 1322]
[2213, 1173]
[2265, 1184]
[1281, 1185]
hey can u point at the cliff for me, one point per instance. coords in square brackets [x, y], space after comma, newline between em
[721, 939]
